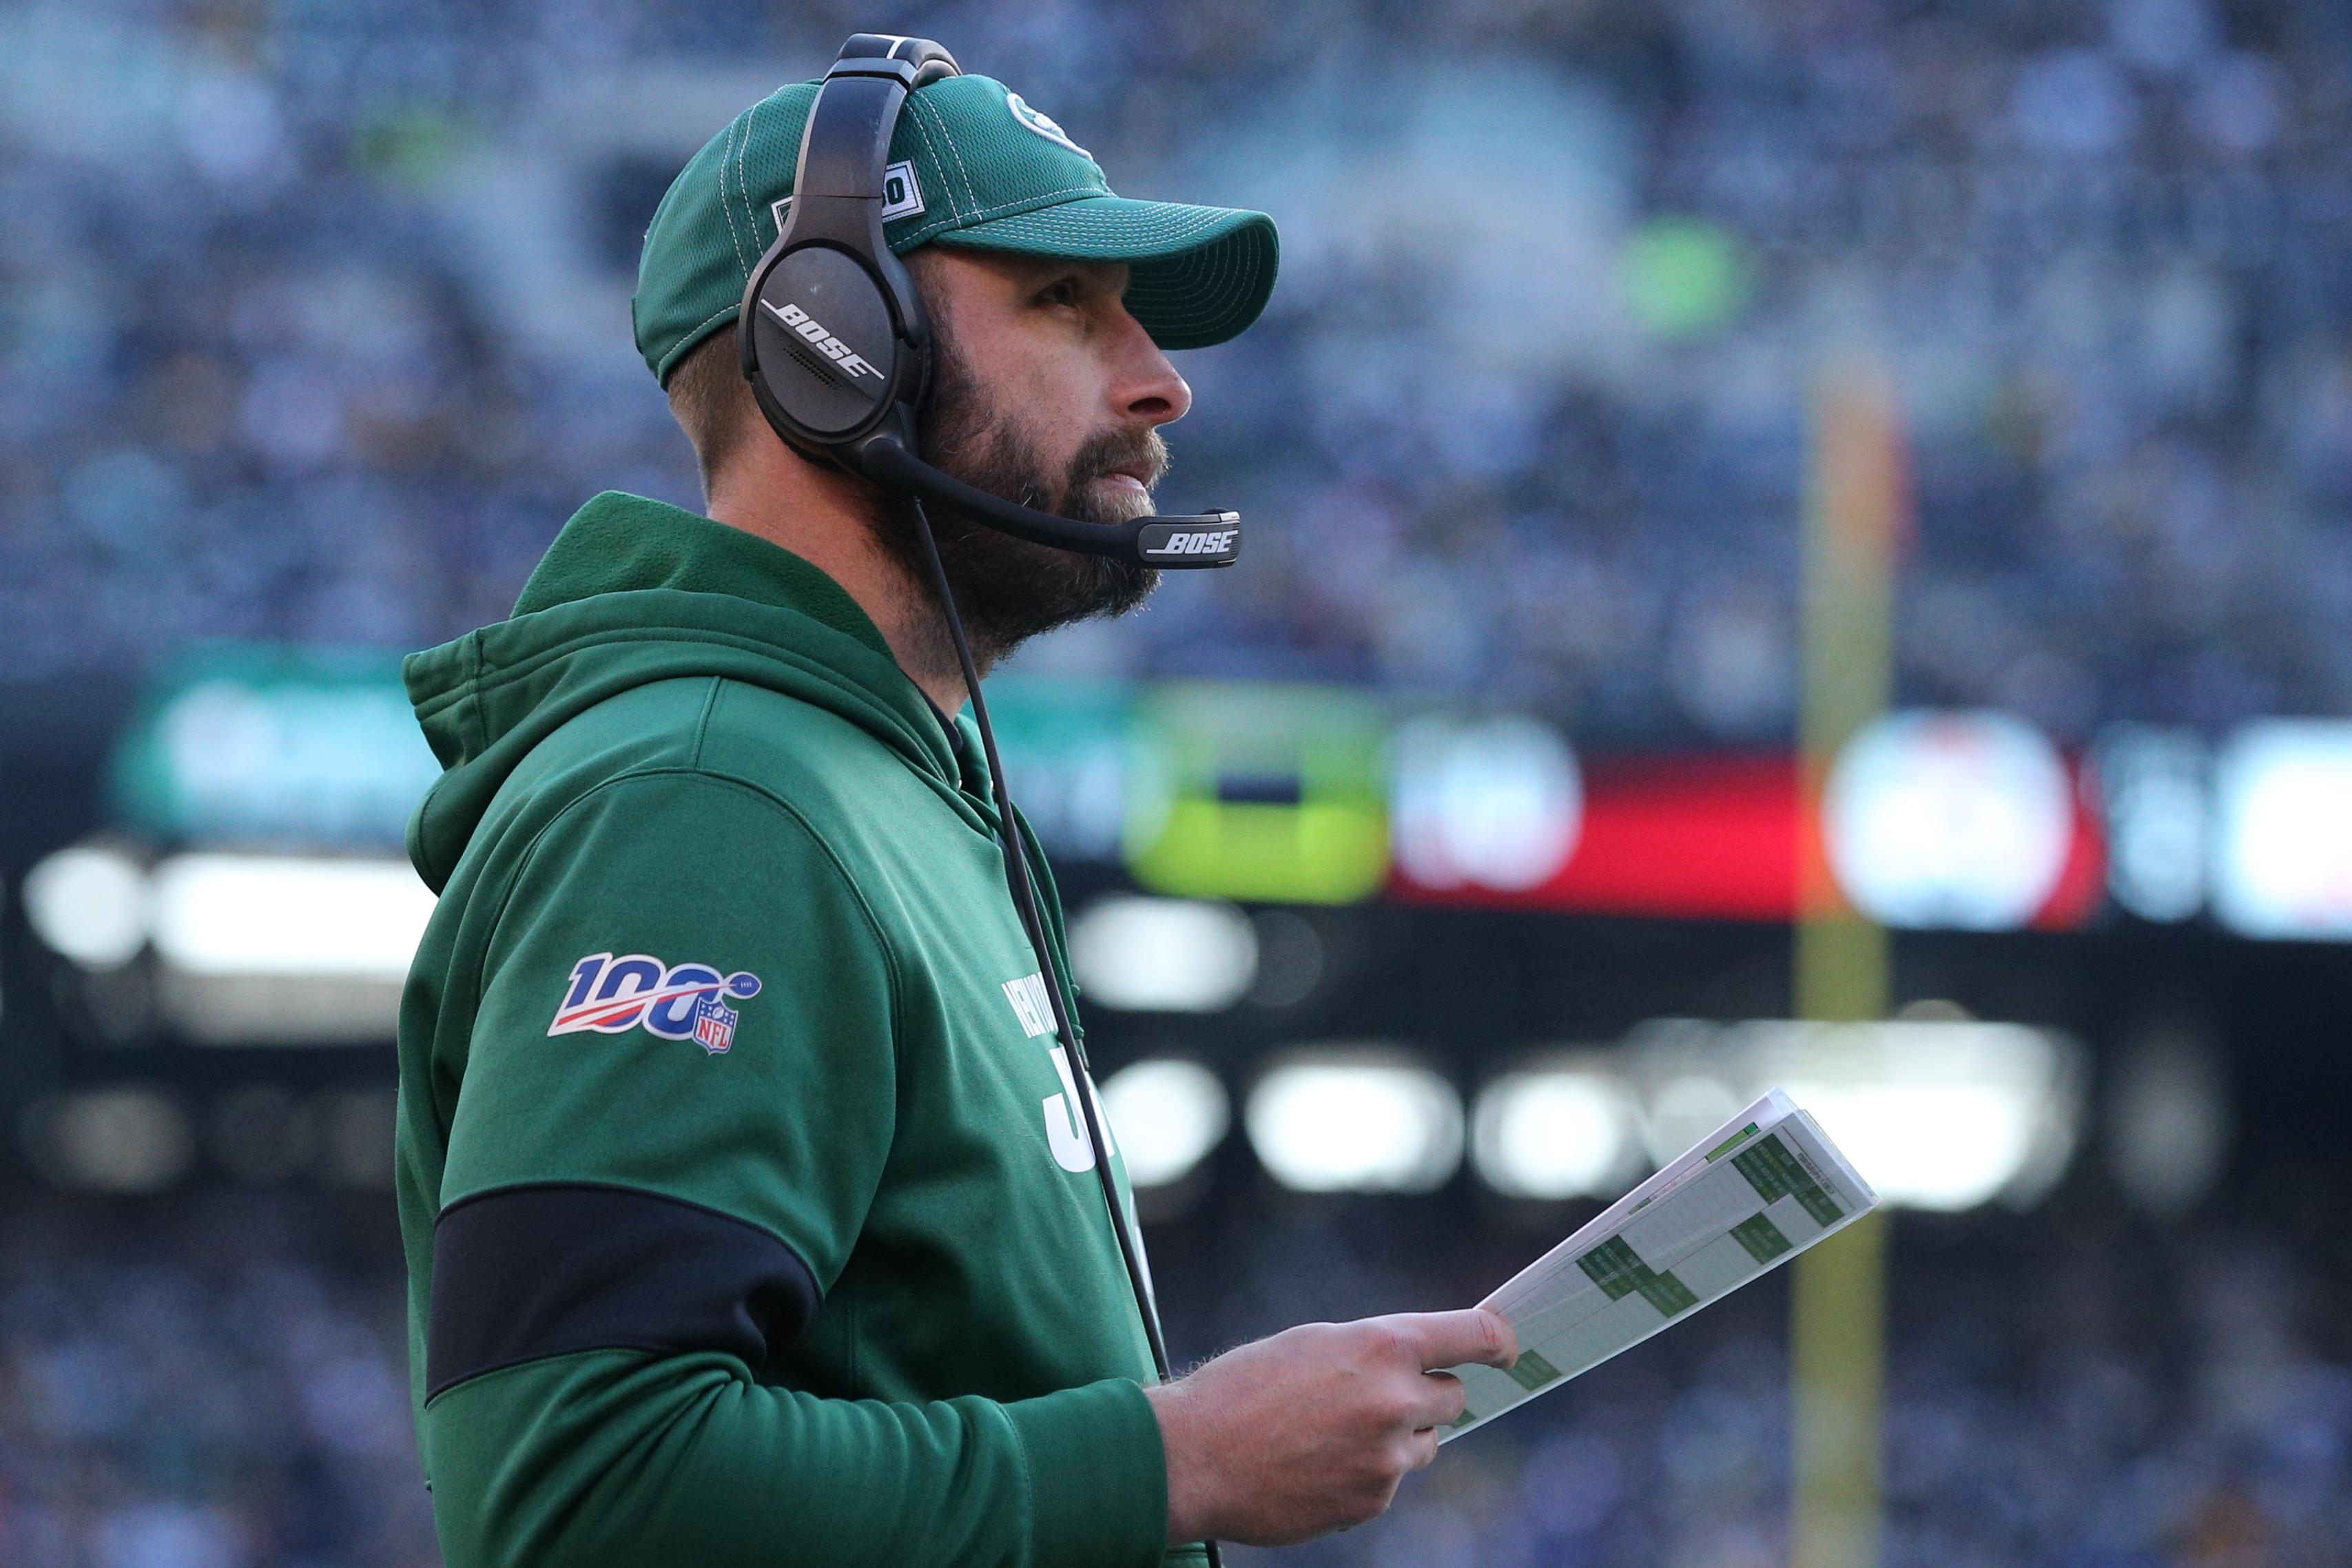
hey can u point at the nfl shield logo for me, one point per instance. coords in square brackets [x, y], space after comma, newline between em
[714, 1023]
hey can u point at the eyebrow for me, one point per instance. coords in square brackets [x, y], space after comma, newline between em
[1052, 270]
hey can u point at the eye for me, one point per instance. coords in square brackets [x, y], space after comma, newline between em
[1060, 292]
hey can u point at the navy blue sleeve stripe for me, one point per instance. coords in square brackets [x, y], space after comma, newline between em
[523, 1273]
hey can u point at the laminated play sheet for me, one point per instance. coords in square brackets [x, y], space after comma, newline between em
[1758, 1190]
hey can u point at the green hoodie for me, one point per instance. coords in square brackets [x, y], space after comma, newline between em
[746, 1216]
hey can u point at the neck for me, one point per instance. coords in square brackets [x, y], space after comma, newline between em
[823, 516]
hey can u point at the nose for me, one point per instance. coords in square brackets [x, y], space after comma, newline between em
[1147, 390]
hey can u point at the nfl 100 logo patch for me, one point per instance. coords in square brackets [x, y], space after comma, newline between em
[610, 996]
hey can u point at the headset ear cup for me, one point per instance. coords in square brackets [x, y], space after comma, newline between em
[823, 345]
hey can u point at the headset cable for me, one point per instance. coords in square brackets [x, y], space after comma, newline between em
[1019, 879]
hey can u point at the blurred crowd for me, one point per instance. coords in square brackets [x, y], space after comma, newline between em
[219, 1381]
[314, 326]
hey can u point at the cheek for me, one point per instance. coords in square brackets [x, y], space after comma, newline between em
[1054, 400]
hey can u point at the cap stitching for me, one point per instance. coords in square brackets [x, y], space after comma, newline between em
[1213, 278]
[970, 190]
[970, 185]
[1213, 261]
[742, 182]
[750, 247]
[984, 212]
[938, 163]
[1229, 276]
[1222, 282]
[679, 340]
[1189, 284]
[1193, 224]
[1177, 228]
[724, 210]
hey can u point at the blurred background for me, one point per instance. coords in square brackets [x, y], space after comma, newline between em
[1631, 360]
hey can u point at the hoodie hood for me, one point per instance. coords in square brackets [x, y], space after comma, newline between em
[635, 591]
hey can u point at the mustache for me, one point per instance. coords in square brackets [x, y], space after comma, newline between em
[1138, 452]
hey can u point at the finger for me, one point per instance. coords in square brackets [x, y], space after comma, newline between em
[1475, 1334]
[1420, 1449]
[1438, 1400]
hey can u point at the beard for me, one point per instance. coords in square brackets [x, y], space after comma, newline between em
[1009, 590]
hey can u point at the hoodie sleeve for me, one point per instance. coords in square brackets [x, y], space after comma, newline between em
[678, 1099]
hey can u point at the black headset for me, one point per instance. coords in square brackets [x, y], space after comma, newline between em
[838, 350]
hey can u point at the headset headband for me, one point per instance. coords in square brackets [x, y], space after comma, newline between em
[838, 186]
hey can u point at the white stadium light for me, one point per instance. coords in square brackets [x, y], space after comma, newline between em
[123, 1139]
[1686, 1108]
[1494, 802]
[2283, 858]
[1954, 820]
[1355, 1119]
[1167, 1116]
[2159, 806]
[1935, 1115]
[1929, 1145]
[1558, 1127]
[259, 948]
[272, 915]
[1164, 955]
[90, 904]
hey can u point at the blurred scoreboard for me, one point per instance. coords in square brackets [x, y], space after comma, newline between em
[253, 867]
[249, 891]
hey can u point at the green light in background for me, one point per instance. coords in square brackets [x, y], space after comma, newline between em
[242, 742]
[1271, 792]
[1685, 277]
[413, 147]
[1068, 748]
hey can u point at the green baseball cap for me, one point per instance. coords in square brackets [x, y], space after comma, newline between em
[973, 165]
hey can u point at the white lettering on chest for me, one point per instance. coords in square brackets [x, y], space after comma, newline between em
[1064, 1134]
[1030, 1005]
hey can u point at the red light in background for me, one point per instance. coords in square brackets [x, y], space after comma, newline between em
[1715, 838]
[1693, 836]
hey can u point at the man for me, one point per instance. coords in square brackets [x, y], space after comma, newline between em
[747, 1216]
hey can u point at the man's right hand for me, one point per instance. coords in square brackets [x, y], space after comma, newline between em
[1310, 1431]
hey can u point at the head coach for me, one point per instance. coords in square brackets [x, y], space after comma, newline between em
[753, 1210]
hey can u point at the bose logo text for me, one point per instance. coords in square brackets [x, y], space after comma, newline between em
[825, 343]
[1208, 542]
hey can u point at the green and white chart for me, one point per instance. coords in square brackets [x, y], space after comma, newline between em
[1758, 1191]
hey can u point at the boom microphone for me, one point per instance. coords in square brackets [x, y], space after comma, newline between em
[1185, 540]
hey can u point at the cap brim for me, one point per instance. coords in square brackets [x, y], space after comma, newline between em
[1196, 276]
